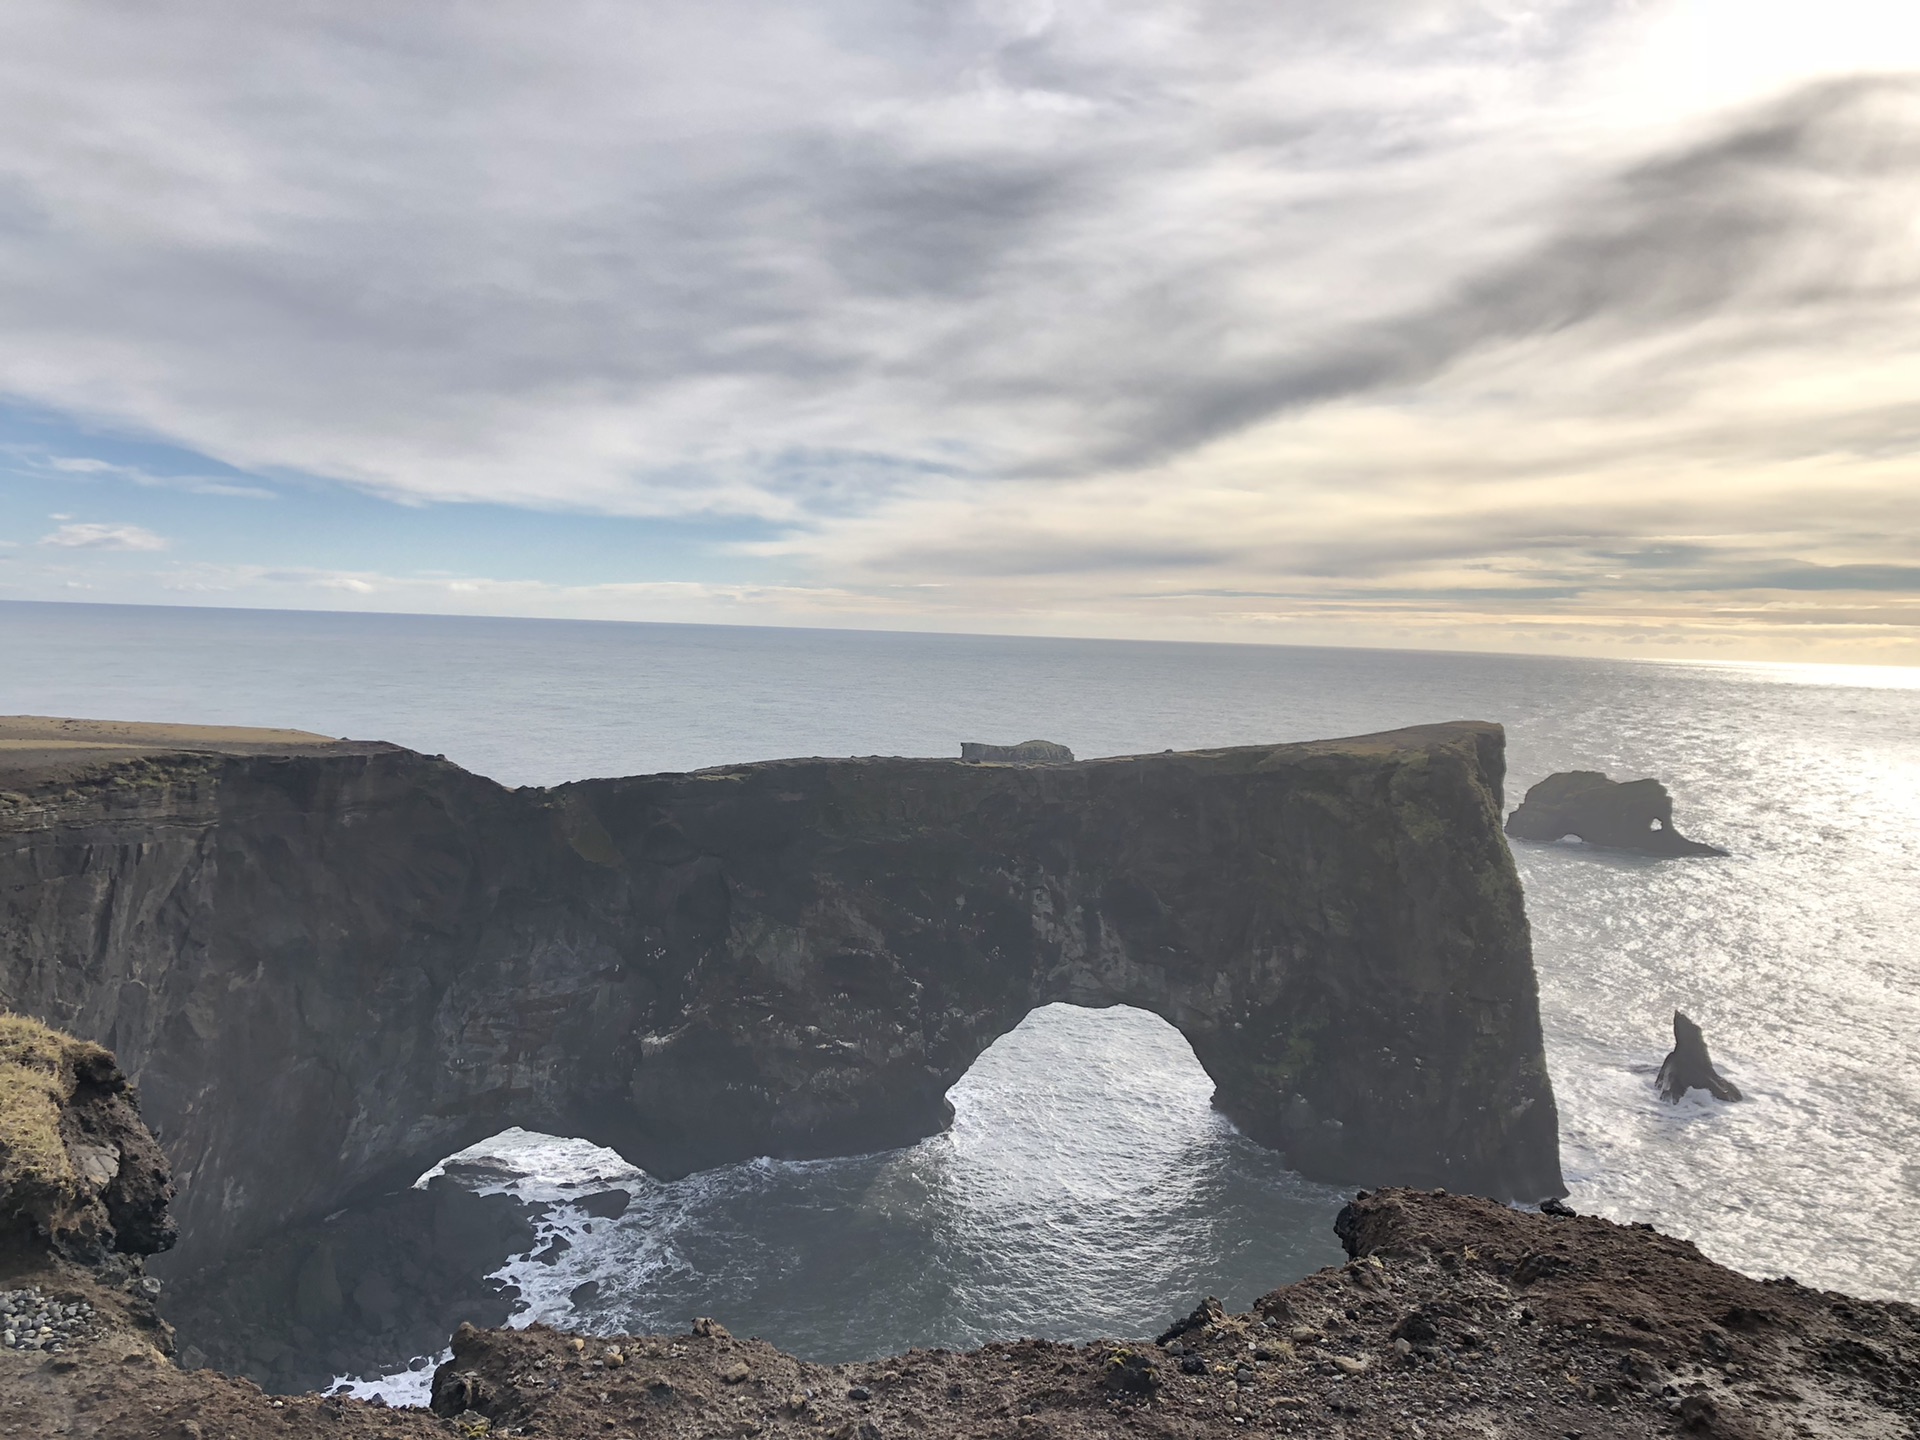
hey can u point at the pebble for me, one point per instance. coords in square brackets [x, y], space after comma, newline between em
[30, 1320]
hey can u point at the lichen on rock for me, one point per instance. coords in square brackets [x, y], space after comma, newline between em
[77, 1168]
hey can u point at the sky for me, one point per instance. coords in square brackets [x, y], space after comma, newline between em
[1579, 326]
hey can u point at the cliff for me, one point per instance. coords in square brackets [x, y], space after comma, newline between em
[331, 965]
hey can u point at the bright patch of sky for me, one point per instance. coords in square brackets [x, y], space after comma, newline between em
[1536, 324]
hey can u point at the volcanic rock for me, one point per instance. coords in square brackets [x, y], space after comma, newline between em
[1027, 752]
[1620, 815]
[79, 1172]
[1628, 1335]
[357, 1292]
[1689, 1067]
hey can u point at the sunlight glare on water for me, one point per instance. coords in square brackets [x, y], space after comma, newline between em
[1085, 1181]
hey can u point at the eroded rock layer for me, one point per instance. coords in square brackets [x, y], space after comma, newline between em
[328, 969]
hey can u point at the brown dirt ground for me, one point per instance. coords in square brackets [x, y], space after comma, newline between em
[41, 750]
[1458, 1318]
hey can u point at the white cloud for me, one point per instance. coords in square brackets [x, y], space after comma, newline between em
[91, 468]
[1090, 313]
[104, 537]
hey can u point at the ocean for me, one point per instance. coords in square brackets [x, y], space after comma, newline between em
[1086, 1187]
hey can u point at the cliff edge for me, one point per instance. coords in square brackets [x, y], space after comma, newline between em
[331, 965]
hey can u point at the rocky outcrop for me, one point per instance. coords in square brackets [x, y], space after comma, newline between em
[358, 1293]
[330, 969]
[1455, 1316]
[1027, 752]
[1689, 1067]
[1620, 815]
[79, 1173]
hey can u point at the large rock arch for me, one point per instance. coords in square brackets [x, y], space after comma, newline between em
[327, 970]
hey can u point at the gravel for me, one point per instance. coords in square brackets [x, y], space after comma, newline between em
[30, 1320]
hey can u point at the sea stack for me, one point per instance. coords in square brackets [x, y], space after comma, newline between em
[1620, 815]
[1689, 1067]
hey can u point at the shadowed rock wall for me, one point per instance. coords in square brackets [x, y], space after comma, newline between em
[328, 971]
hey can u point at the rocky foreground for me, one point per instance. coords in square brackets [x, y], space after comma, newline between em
[1455, 1317]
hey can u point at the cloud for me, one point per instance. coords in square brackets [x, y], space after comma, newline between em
[91, 468]
[555, 260]
[104, 537]
[1103, 310]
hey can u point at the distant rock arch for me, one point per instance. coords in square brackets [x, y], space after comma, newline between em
[1621, 815]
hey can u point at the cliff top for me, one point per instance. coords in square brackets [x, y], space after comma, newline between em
[41, 749]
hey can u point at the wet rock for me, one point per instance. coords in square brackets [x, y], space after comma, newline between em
[376, 1283]
[79, 1170]
[316, 1292]
[607, 1205]
[1375, 864]
[1633, 815]
[1689, 1067]
[1559, 1209]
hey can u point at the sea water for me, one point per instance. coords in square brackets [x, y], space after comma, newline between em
[1086, 1187]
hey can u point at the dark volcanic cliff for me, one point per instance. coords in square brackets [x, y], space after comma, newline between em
[328, 970]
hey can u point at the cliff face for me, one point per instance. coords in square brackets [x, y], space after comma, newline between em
[329, 970]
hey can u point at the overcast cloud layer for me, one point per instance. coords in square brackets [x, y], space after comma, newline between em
[1545, 325]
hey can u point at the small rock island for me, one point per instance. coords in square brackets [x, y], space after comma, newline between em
[1632, 815]
[1689, 1067]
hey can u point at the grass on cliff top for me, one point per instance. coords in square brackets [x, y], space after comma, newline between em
[36, 1079]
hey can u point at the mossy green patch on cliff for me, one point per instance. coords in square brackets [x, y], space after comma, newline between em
[38, 1068]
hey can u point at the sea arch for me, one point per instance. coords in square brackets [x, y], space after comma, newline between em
[328, 970]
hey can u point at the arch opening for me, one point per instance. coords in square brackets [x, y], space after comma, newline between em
[1087, 1186]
